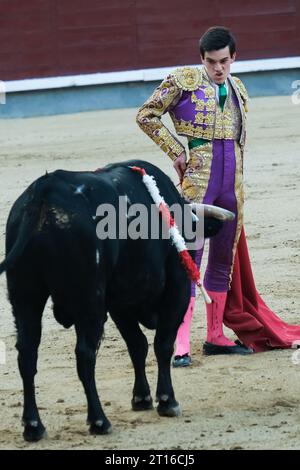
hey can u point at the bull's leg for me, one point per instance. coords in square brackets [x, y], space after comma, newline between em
[163, 347]
[28, 321]
[89, 334]
[171, 314]
[137, 345]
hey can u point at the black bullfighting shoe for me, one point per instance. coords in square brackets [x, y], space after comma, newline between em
[210, 349]
[182, 361]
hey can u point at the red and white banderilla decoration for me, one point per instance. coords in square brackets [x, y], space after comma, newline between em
[190, 266]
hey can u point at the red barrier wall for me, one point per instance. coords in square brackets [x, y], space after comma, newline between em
[41, 38]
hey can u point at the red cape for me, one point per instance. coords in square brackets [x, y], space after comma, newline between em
[255, 325]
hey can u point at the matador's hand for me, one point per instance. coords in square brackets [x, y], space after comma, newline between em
[180, 165]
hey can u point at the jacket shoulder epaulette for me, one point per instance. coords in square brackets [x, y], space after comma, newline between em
[187, 78]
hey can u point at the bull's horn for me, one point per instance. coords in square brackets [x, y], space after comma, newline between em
[214, 211]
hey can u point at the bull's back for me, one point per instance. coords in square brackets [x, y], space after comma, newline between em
[63, 252]
[166, 186]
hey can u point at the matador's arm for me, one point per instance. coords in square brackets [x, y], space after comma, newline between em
[149, 115]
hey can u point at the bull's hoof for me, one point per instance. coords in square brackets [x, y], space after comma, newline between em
[142, 404]
[34, 431]
[164, 408]
[100, 427]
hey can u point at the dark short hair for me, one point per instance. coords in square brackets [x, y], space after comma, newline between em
[216, 38]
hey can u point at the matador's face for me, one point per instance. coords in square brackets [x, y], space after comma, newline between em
[217, 64]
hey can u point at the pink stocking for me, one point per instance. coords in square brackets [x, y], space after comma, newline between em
[183, 335]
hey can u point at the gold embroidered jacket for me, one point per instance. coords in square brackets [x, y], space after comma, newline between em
[190, 98]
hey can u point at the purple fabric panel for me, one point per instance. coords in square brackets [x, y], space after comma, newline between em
[235, 99]
[185, 109]
[220, 192]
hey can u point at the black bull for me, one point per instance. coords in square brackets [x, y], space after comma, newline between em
[52, 250]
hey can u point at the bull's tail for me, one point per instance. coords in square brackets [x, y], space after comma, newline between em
[27, 227]
[29, 222]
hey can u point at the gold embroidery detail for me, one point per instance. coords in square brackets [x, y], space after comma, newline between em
[187, 128]
[208, 133]
[167, 142]
[210, 105]
[209, 119]
[149, 117]
[196, 177]
[228, 123]
[239, 194]
[188, 78]
[242, 107]
[242, 89]
[209, 92]
[218, 124]
[199, 117]
[200, 103]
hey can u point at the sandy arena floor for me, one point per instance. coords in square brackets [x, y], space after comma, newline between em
[227, 402]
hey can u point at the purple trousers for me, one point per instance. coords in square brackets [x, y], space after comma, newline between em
[220, 192]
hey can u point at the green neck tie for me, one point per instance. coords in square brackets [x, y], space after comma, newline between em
[222, 95]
